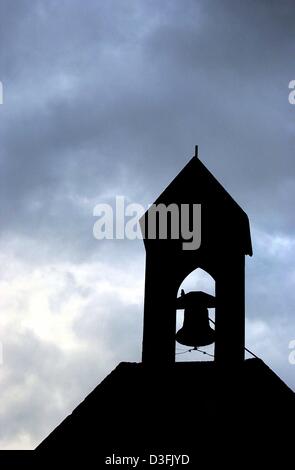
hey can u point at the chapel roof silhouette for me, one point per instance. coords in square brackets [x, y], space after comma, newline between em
[192, 407]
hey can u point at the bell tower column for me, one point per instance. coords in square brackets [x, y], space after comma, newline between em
[230, 310]
[159, 326]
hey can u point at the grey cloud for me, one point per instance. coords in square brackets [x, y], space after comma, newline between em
[110, 98]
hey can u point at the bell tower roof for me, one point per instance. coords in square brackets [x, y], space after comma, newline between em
[225, 225]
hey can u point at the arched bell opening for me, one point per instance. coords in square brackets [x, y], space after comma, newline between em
[197, 280]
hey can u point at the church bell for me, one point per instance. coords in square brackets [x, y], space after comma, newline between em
[196, 330]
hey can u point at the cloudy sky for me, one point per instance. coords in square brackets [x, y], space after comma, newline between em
[106, 98]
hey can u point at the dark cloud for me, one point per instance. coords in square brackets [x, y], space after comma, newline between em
[109, 98]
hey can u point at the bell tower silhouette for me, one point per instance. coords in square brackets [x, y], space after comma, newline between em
[225, 240]
[138, 407]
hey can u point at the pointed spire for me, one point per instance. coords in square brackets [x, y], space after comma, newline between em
[196, 151]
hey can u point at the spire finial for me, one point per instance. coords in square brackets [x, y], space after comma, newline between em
[196, 151]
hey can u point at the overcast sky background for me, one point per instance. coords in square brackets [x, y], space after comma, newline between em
[106, 98]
